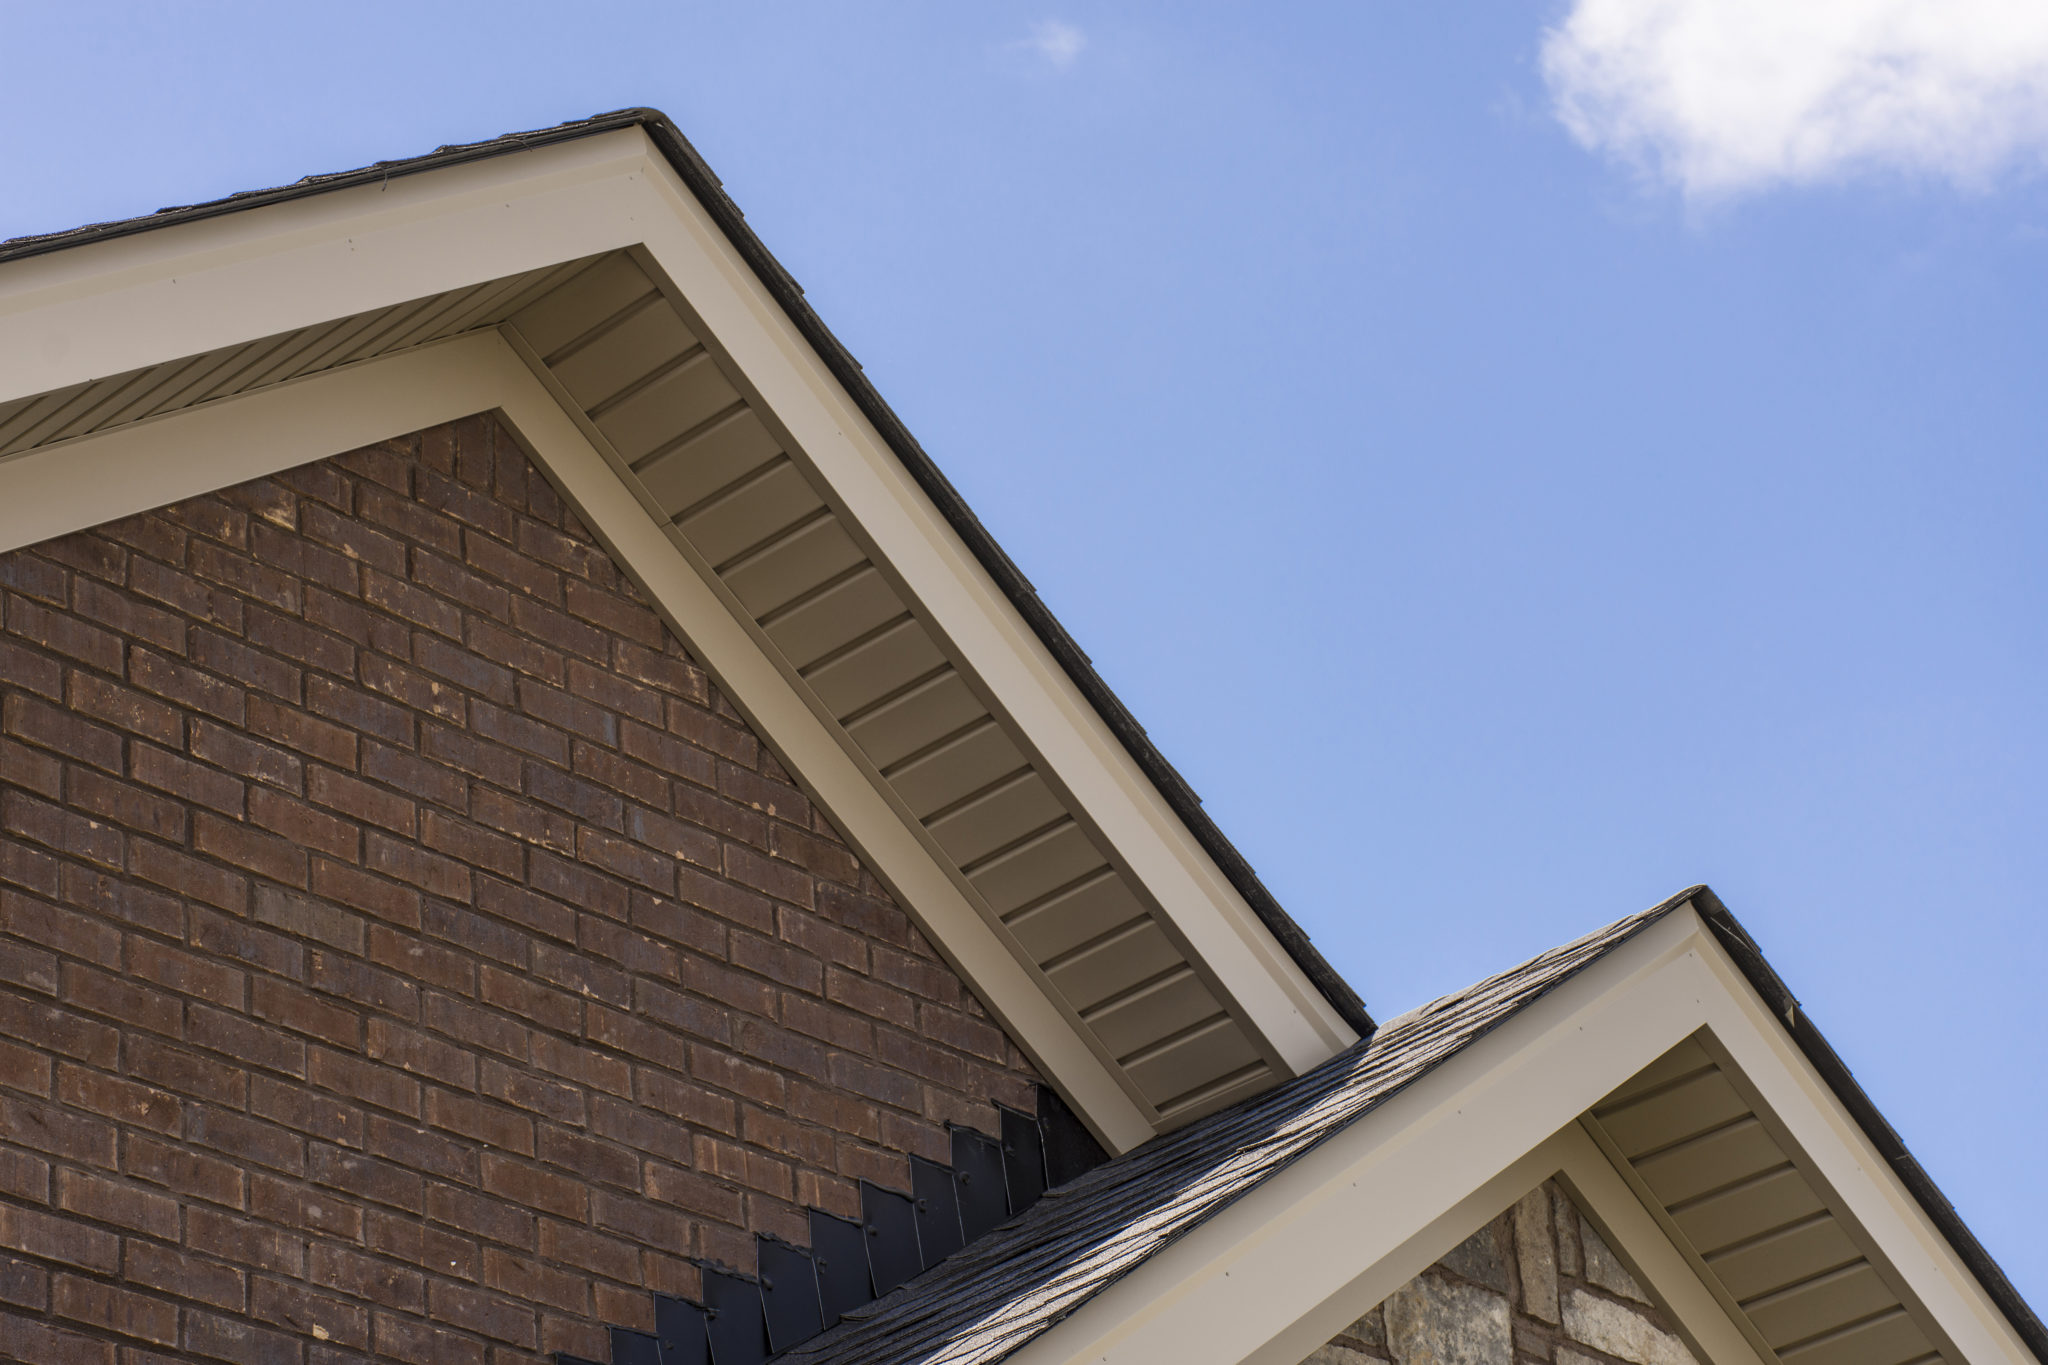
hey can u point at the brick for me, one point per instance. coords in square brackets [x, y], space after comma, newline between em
[186, 1073]
[630, 861]
[54, 1238]
[293, 1007]
[25, 1177]
[726, 900]
[304, 825]
[189, 687]
[175, 1272]
[98, 993]
[294, 1206]
[667, 754]
[181, 777]
[531, 1281]
[468, 753]
[373, 895]
[472, 846]
[36, 577]
[425, 962]
[380, 1182]
[237, 939]
[365, 985]
[38, 772]
[410, 603]
[60, 930]
[250, 849]
[360, 800]
[778, 962]
[117, 1098]
[47, 1345]
[367, 1277]
[535, 1094]
[367, 1081]
[427, 695]
[238, 1341]
[504, 727]
[523, 820]
[302, 733]
[489, 1216]
[529, 910]
[61, 632]
[47, 727]
[647, 1224]
[530, 1000]
[359, 710]
[585, 1066]
[635, 952]
[183, 973]
[578, 886]
[124, 708]
[185, 1172]
[184, 593]
[407, 1339]
[126, 806]
[487, 1314]
[592, 1159]
[430, 872]
[58, 1030]
[250, 1139]
[24, 1284]
[488, 1123]
[421, 1054]
[108, 1201]
[480, 1028]
[334, 1323]
[253, 668]
[250, 1042]
[61, 830]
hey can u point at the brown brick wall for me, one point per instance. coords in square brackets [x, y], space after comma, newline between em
[1536, 1286]
[404, 949]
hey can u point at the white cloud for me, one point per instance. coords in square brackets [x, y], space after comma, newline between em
[1724, 96]
[1060, 44]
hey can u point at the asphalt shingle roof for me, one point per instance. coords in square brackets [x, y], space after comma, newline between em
[1016, 1282]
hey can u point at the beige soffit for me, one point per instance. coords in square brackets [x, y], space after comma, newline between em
[1291, 1263]
[579, 289]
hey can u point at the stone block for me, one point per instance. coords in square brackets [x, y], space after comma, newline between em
[1605, 1269]
[1620, 1331]
[1432, 1321]
[1536, 1255]
[1480, 1258]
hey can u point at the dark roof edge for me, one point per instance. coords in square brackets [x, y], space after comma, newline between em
[697, 175]
[1749, 960]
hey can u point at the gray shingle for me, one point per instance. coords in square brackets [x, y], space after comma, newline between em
[1013, 1284]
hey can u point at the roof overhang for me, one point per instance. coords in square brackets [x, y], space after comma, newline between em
[1287, 1266]
[155, 360]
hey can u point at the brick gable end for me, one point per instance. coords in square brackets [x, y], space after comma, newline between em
[405, 951]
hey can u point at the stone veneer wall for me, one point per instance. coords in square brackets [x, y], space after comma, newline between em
[405, 951]
[1535, 1285]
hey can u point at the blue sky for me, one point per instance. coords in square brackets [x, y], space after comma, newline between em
[1502, 523]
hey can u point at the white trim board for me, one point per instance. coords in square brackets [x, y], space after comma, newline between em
[1283, 1269]
[105, 308]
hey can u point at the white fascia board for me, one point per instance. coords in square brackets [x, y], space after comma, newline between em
[95, 479]
[1080, 753]
[105, 308]
[1287, 1266]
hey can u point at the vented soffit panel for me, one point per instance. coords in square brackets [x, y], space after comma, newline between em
[617, 344]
